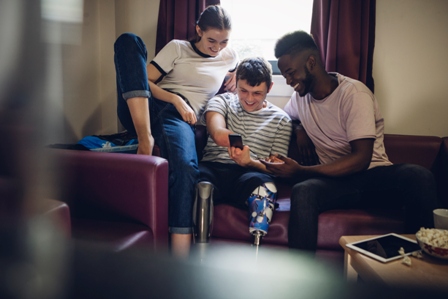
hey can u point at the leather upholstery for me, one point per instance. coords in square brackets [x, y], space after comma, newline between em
[115, 198]
[443, 174]
[121, 199]
[57, 212]
[232, 223]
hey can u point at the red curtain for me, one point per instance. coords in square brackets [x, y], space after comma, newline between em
[344, 30]
[177, 19]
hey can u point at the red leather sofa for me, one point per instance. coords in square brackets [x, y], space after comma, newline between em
[115, 199]
[431, 152]
[121, 199]
[57, 212]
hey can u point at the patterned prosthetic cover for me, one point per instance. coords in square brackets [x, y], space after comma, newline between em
[261, 207]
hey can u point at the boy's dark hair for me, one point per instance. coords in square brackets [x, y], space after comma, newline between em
[214, 16]
[294, 43]
[254, 70]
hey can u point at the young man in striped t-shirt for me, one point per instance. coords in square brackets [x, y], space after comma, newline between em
[238, 177]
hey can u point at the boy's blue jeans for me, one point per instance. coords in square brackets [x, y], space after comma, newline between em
[175, 138]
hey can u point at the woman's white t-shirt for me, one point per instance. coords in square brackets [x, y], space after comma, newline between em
[192, 74]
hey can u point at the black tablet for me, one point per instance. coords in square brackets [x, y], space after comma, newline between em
[385, 248]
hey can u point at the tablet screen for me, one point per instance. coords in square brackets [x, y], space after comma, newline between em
[385, 248]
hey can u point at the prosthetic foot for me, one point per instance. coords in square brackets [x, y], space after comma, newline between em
[203, 212]
[261, 208]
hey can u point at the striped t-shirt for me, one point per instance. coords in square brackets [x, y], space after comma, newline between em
[266, 131]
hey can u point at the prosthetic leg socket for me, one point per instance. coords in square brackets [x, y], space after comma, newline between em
[203, 212]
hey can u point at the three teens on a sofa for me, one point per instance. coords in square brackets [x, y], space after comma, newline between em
[162, 101]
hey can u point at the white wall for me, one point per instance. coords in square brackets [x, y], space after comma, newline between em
[409, 65]
[88, 104]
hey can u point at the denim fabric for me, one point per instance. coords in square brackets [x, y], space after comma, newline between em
[176, 140]
[403, 185]
[233, 183]
[132, 81]
[175, 137]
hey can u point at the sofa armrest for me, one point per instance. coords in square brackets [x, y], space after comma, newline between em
[119, 186]
[57, 212]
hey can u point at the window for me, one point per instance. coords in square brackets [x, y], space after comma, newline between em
[258, 24]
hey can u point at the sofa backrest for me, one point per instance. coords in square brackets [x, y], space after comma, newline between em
[420, 150]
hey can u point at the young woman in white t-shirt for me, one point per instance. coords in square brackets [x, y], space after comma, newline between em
[161, 102]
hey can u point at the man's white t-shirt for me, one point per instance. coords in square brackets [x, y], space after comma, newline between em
[349, 113]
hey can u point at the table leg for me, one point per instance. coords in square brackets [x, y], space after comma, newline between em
[350, 273]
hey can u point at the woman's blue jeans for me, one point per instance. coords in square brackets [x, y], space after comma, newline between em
[407, 186]
[175, 138]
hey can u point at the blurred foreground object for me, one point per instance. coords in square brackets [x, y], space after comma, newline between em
[34, 230]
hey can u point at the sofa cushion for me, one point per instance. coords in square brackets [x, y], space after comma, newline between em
[115, 235]
[232, 223]
[336, 223]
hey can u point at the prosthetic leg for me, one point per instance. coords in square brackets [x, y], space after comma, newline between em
[261, 208]
[203, 212]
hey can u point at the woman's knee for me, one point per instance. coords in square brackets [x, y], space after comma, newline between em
[128, 41]
[185, 170]
[126, 38]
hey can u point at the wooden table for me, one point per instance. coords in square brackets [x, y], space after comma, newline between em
[426, 272]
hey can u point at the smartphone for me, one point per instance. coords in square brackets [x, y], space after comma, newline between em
[236, 140]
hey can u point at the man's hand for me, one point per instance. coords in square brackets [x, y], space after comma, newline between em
[241, 157]
[287, 169]
[184, 110]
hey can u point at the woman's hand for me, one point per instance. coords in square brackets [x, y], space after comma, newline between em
[230, 84]
[184, 110]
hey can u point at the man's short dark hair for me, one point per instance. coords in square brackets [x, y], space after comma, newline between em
[255, 70]
[294, 43]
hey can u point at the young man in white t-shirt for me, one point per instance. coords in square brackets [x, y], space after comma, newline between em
[341, 117]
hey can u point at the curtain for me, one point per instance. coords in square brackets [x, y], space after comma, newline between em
[344, 30]
[177, 19]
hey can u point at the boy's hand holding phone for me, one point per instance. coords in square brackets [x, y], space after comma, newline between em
[236, 140]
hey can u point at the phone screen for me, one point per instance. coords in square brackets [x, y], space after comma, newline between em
[236, 140]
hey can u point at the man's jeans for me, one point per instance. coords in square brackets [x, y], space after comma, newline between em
[175, 138]
[402, 185]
